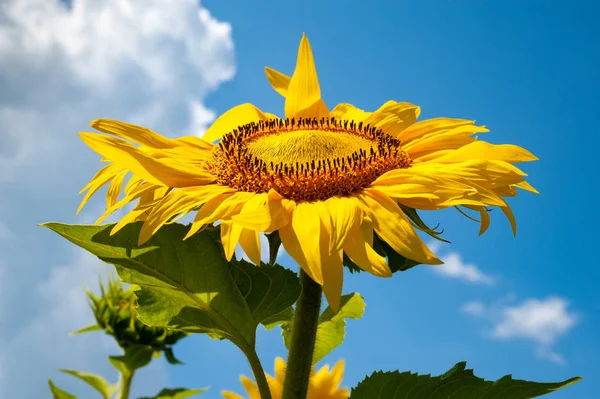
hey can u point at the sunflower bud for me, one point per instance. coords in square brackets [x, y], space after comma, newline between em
[115, 313]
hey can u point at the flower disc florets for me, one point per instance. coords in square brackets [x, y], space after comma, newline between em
[305, 159]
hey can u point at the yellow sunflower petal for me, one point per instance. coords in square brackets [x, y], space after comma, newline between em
[304, 93]
[176, 202]
[102, 177]
[231, 395]
[114, 189]
[333, 274]
[510, 216]
[346, 111]
[250, 242]
[344, 212]
[130, 217]
[483, 150]
[301, 240]
[278, 80]
[270, 217]
[237, 116]
[230, 236]
[337, 373]
[152, 170]
[250, 387]
[137, 134]
[431, 126]
[393, 117]
[280, 367]
[451, 139]
[220, 207]
[393, 227]
[358, 247]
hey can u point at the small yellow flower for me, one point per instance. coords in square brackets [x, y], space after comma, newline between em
[325, 180]
[324, 384]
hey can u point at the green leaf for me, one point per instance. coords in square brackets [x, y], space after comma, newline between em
[93, 327]
[332, 326]
[177, 393]
[286, 316]
[188, 285]
[58, 393]
[458, 382]
[95, 381]
[135, 357]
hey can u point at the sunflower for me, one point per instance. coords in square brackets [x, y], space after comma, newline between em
[326, 180]
[323, 384]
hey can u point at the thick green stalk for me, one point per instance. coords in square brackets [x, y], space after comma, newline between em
[304, 333]
[126, 384]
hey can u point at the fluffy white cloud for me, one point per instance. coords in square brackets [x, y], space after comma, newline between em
[542, 321]
[455, 267]
[150, 62]
[145, 61]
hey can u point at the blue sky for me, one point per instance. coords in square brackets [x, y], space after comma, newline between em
[527, 305]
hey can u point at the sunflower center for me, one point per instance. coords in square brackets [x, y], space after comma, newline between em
[305, 159]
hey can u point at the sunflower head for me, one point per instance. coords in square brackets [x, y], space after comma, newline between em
[327, 180]
[115, 313]
[323, 384]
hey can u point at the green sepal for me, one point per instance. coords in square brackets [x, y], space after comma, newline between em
[395, 261]
[58, 393]
[420, 224]
[93, 327]
[134, 358]
[458, 382]
[177, 393]
[170, 356]
[274, 244]
[95, 381]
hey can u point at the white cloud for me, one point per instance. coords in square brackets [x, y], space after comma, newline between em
[150, 62]
[145, 61]
[542, 321]
[474, 308]
[455, 267]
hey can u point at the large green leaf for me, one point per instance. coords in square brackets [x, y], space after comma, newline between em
[58, 393]
[95, 381]
[332, 326]
[458, 382]
[177, 393]
[188, 285]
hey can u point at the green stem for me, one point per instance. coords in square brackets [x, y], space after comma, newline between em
[126, 384]
[258, 371]
[304, 333]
